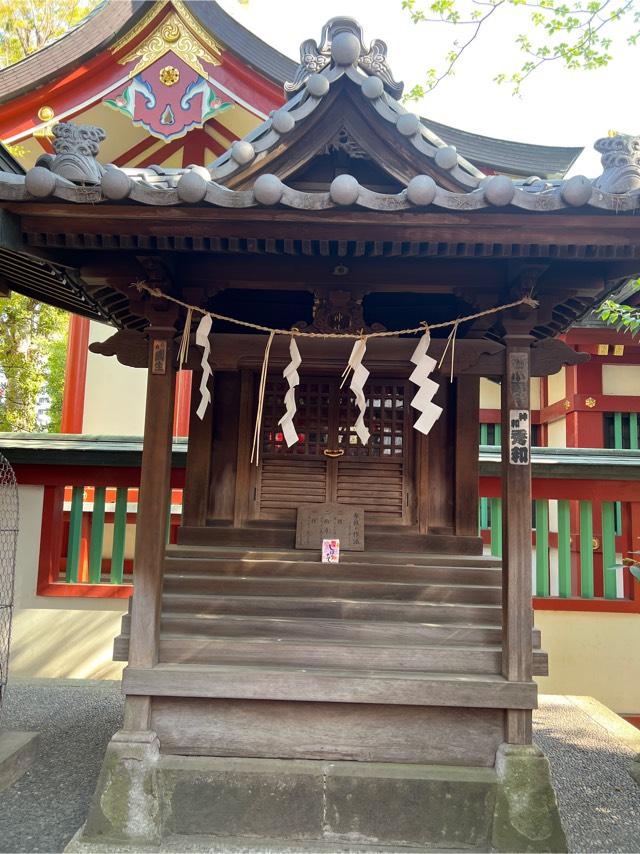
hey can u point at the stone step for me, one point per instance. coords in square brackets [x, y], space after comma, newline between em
[202, 584]
[297, 568]
[316, 653]
[332, 608]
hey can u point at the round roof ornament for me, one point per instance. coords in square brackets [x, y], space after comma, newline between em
[372, 87]
[344, 190]
[268, 189]
[192, 187]
[576, 191]
[408, 124]
[421, 190]
[447, 157]
[345, 48]
[282, 121]
[40, 182]
[116, 184]
[317, 85]
[499, 190]
[242, 151]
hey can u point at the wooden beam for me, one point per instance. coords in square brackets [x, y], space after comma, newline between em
[517, 619]
[261, 683]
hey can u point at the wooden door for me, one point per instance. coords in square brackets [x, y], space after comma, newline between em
[329, 463]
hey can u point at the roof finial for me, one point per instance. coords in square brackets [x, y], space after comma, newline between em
[620, 163]
[341, 43]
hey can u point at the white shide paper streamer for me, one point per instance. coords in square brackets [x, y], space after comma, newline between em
[202, 340]
[423, 400]
[358, 379]
[292, 376]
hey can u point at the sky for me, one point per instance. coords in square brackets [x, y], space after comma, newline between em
[556, 107]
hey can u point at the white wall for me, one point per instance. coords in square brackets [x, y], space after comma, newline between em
[114, 394]
[57, 636]
[621, 379]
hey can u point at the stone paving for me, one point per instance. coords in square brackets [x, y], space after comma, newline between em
[599, 801]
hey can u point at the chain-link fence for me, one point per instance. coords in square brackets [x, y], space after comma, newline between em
[8, 542]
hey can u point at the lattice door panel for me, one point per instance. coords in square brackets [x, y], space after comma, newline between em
[385, 418]
[314, 400]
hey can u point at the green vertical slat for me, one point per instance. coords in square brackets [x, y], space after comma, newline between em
[564, 549]
[586, 550]
[608, 549]
[617, 429]
[75, 534]
[119, 536]
[542, 548]
[496, 527]
[498, 435]
[633, 431]
[484, 439]
[97, 535]
[484, 514]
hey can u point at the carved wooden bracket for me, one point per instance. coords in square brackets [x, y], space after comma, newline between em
[129, 347]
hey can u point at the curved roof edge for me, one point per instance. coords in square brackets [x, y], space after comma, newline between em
[97, 31]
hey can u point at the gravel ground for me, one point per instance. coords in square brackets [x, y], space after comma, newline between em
[599, 802]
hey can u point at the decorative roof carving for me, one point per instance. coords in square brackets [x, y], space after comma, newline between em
[172, 35]
[343, 141]
[338, 311]
[76, 148]
[341, 43]
[620, 163]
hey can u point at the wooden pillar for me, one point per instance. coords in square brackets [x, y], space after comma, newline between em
[517, 611]
[151, 522]
[196, 486]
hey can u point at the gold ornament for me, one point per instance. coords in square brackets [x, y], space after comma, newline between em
[567, 404]
[590, 402]
[179, 34]
[170, 32]
[45, 114]
[169, 75]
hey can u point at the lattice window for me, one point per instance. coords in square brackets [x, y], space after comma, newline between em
[313, 400]
[384, 418]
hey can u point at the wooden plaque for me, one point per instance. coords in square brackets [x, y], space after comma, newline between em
[318, 522]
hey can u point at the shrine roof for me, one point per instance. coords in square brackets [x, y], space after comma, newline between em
[113, 18]
[111, 21]
[341, 84]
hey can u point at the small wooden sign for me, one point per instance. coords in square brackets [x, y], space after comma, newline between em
[318, 522]
[159, 357]
[519, 437]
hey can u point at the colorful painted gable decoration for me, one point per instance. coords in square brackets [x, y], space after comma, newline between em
[170, 93]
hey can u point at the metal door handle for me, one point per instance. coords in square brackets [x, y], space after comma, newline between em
[333, 453]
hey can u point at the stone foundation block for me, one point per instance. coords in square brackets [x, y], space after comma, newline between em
[148, 801]
[17, 752]
[526, 816]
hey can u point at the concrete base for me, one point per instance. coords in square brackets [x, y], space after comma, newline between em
[17, 752]
[146, 801]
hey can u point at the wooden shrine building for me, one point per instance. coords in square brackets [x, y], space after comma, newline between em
[386, 699]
